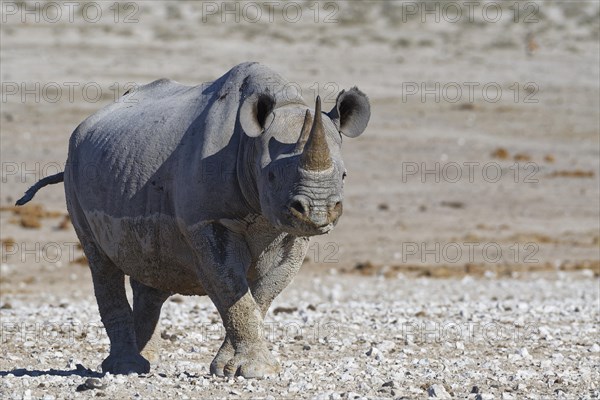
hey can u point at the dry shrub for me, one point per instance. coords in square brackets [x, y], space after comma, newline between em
[30, 221]
[593, 265]
[522, 157]
[65, 223]
[453, 204]
[284, 310]
[80, 260]
[466, 107]
[500, 153]
[7, 244]
[366, 268]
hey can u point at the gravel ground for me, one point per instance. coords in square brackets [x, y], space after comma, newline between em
[337, 336]
[498, 333]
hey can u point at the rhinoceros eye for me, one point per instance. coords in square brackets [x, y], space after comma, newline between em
[344, 176]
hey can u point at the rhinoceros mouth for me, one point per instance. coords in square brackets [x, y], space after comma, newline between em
[325, 229]
[307, 231]
[298, 227]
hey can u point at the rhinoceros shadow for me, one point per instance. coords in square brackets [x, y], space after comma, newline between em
[79, 370]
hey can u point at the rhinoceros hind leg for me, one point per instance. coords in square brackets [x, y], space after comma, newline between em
[116, 314]
[147, 303]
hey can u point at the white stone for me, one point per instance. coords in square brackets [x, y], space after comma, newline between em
[438, 391]
[524, 353]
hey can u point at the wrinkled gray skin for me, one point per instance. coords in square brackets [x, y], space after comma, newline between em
[204, 190]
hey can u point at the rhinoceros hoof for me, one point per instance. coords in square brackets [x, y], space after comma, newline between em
[125, 364]
[252, 364]
[226, 353]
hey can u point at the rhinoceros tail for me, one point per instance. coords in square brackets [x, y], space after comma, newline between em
[49, 180]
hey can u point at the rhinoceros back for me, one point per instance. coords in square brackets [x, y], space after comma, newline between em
[164, 140]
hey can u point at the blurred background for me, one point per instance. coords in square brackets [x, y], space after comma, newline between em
[481, 156]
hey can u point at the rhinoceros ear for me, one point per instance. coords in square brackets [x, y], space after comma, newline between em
[255, 113]
[351, 112]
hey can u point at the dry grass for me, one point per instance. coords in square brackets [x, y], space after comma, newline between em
[469, 269]
[29, 215]
[576, 173]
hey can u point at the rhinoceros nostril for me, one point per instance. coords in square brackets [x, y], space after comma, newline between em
[299, 207]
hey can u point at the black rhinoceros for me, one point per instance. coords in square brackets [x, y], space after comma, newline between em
[204, 190]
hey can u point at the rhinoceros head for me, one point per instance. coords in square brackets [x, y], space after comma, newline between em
[299, 168]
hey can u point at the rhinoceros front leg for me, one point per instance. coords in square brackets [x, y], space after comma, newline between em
[116, 315]
[225, 353]
[274, 270]
[147, 303]
[223, 260]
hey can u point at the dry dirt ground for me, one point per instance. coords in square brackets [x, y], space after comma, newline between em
[472, 199]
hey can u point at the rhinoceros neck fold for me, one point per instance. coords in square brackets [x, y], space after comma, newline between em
[246, 173]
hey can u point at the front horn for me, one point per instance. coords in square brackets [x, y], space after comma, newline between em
[316, 156]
